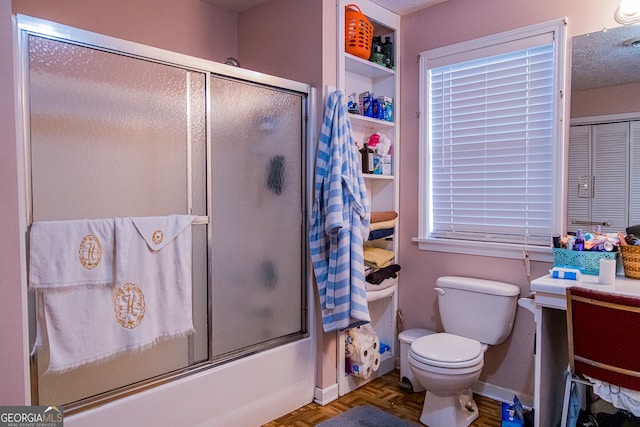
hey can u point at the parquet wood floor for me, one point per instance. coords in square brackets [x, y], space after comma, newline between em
[386, 394]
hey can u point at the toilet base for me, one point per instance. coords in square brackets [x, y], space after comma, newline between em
[458, 410]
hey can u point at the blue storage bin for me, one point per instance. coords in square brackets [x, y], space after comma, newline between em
[587, 261]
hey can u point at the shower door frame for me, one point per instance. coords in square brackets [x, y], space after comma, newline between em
[26, 26]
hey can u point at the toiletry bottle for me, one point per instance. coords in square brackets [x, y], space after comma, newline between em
[375, 108]
[570, 242]
[367, 159]
[367, 107]
[387, 50]
[606, 246]
[375, 42]
[378, 56]
[578, 245]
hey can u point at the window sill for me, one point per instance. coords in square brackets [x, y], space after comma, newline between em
[491, 249]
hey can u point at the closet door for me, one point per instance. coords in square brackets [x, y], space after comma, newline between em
[598, 184]
[610, 171]
[634, 174]
[580, 190]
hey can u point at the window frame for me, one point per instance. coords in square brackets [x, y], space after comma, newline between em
[495, 249]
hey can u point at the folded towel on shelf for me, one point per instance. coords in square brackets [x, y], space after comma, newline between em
[378, 265]
[382, 225]
[377, 257]
[381, 234]
[148, 299]
[379, 276]
[381, 216]
[69, 253]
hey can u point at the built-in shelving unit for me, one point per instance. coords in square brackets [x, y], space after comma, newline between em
[357, 75]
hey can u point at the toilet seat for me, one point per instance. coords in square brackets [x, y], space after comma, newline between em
[445, 350]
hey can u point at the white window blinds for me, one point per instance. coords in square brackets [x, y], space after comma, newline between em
[490, 136]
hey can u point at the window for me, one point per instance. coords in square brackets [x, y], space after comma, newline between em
[491, 143]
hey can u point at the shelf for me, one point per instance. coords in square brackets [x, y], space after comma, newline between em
[377, 176]
[364, 119]
[386, 283]
[382, 293]
[351, 382]
[365, 67]
[386, 355]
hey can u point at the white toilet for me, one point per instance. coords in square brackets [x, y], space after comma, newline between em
[475, 313]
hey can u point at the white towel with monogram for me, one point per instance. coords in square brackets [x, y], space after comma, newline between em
[71, 266]
[154, 281]
[70, 253]
[148, 299]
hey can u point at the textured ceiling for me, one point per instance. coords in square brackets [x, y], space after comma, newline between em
[602, 59]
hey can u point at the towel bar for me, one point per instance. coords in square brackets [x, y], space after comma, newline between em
[201, 220]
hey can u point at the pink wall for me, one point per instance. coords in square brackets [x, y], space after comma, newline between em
[509, 365]
[191, 27]
[283, 38]
[13, 369]
[605, 101]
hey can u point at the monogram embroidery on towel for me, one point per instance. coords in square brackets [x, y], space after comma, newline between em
[157, 237]
[90, 252]
[129, 305]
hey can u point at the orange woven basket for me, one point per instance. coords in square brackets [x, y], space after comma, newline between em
[358, 32]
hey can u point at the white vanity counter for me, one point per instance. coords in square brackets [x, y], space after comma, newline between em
[551, 292]
[548, 304]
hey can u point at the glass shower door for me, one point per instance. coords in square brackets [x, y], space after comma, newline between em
[117, 136]
[112, 132]
[257, 224]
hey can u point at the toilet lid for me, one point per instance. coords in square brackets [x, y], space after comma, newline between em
[447, 350]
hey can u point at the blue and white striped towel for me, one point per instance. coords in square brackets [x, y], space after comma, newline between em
[340, 221]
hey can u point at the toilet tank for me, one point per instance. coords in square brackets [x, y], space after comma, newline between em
[480, 309]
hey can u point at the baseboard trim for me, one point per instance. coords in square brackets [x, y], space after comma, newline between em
[323, 396]
[501, 394]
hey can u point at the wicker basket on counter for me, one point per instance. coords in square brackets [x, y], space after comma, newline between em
[631, 261]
